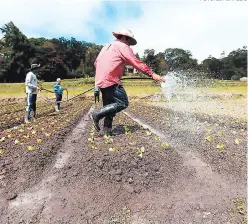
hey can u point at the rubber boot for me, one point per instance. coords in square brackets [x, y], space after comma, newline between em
[34, 116]
[56, 108]
[107, 125]
[27, 117]
[96, 116]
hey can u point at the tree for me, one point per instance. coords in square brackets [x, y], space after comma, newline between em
[66, 58]
[232, 66]
[149, 58]
[179, 59]
[17, 52]
[161, 64]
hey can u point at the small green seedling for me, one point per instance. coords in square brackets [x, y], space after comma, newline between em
[91, 139]
[39, 140]
[17, 142]
[157, 139]
[165, 145]
[127, 130]
[108, 139]
[220, 147]
[140, 151]
[113, 150]
[237, 141]
[148, 133]
[30, 148]
[92, 147]
[132, 143]
[2, 139]
[209, 138]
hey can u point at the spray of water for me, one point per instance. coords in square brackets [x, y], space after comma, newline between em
[182, 87]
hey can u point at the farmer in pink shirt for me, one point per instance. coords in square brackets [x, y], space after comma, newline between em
[109, 70]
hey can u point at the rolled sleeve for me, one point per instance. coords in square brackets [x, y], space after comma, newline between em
[130, 58]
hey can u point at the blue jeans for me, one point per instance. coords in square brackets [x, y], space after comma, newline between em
[31, 102]
[58, 100]
[114, 95]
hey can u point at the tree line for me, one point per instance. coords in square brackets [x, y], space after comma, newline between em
[70, 58]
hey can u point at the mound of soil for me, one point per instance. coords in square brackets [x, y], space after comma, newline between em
[19, 171]
[201, 134]
[120, 163]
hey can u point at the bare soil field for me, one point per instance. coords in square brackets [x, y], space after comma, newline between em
[163, 165]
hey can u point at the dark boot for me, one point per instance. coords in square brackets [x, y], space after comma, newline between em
[96, 116]
[107, 125]
[34, 116]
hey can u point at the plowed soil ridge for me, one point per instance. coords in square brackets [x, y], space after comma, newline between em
[146, 173]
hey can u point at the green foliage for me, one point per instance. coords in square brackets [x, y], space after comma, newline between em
[233, 66]
[235, 77]
[58, 57]
[155, 61]
[16, 51]
[69, 58]
[179, 59]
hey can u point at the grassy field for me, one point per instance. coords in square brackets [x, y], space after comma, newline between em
[77, 86]
[133, 86]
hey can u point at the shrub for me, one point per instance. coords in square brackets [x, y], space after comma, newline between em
[235, 77]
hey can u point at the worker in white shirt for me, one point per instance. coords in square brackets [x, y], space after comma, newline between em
[31, 91]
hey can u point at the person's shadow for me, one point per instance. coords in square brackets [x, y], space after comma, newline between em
[120, 130]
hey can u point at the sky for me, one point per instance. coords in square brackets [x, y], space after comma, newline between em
[204, 27]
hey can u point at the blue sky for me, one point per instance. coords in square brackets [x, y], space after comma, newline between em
[203, 27]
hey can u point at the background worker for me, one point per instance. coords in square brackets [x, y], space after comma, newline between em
[57, 88]
[31, 83]
[96, 94]
[109, 70]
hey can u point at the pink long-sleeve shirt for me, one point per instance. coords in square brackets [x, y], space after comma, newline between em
[110, 64]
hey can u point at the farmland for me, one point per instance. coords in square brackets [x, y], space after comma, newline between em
[177, 161]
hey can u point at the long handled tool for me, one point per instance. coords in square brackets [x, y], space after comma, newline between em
[51, 101]
[54, 92]
[81, 94]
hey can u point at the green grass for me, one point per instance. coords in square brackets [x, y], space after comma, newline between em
[77, 86]
[228, 89]
[133, 87]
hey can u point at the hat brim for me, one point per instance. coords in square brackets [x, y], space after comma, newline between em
[34, 68]
[132, 40]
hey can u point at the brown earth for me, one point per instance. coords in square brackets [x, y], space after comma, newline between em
[82, 177]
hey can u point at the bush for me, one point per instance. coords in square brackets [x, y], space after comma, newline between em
[235, 77]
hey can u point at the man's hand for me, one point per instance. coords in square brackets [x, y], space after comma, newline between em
[158, 78]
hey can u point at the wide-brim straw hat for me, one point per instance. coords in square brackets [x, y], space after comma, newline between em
[128, 33]
[34, 66]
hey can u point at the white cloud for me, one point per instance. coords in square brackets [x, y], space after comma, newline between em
[51, 17]
[202, 27]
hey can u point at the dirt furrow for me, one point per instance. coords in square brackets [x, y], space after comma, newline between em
[136, 176]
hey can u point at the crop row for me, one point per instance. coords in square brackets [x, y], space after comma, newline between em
[31, 136]
[11, 119]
